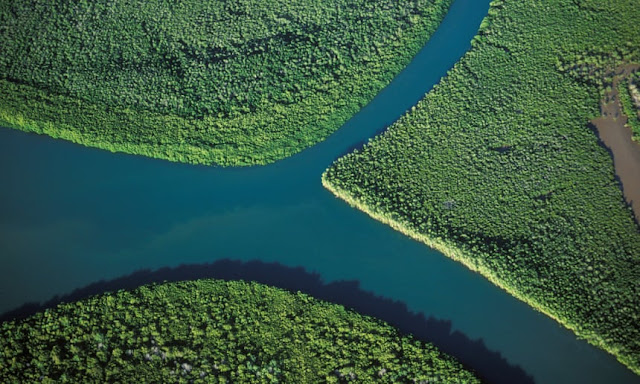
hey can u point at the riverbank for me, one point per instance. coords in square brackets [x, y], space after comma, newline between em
[277, 79]
[614, 133]
[192, 330]
[153, 215]
[498, 161]
[473, 262]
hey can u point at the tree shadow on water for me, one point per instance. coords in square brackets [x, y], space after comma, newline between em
[489, 365]
[358, 145]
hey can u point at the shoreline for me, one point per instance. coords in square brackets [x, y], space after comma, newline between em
[459, 255]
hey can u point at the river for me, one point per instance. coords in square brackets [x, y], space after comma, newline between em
[72, 216]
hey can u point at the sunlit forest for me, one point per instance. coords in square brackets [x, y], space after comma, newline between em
[212, 331]
[211, 82]
[498, 167]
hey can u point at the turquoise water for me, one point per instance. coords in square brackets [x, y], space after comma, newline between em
[71, 216]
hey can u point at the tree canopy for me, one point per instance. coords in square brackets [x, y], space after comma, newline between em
[498, 167]
[230, 82]
[212, 331]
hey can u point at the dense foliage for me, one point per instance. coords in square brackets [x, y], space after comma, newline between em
[498, 168]
[228, 82]
[211, 331]
[626, 92]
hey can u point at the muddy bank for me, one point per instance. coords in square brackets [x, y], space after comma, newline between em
[617, 137]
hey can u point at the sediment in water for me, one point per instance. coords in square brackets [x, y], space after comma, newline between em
[616, 136]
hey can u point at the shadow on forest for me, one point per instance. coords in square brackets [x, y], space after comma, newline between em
[489, 365]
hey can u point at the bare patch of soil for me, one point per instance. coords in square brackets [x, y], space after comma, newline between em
[617, 137]
[635, 94]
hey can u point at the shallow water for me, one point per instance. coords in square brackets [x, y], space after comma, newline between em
[71, 216]
[616, 137]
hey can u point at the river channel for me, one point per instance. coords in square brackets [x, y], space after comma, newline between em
[72, 216]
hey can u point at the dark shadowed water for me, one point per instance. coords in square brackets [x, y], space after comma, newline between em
[71, 216]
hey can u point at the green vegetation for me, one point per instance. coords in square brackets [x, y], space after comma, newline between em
[212, 82]
[498, 168]
[629, 109]
[211, 331]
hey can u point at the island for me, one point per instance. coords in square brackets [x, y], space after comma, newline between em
[214, 331]
[208, 82]
[498, 167]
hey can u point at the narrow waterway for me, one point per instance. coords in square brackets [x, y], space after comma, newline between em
[72, 216]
